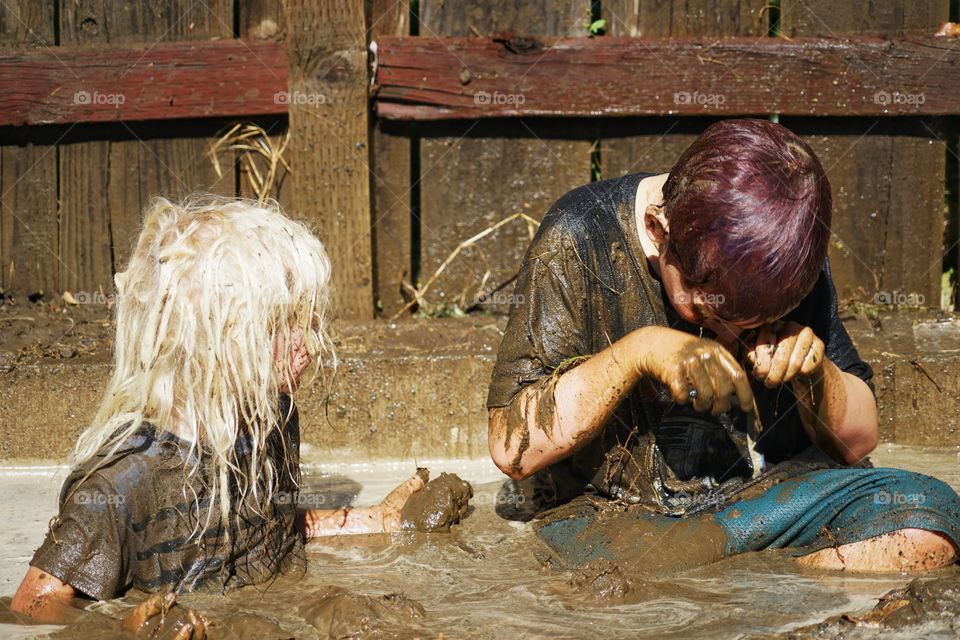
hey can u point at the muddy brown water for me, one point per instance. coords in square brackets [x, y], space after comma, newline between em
[486, 578]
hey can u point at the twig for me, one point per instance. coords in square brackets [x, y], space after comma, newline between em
[419, 292]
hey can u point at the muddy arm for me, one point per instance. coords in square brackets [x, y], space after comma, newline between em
[551, 419]
[378, 518]
[839, 413]
[45, 598]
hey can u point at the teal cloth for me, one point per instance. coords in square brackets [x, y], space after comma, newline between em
[807, 512]
[838, 506]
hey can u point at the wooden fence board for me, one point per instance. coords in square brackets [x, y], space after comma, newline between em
[466, 77]
[887, 175]
[29, 251]
[105, 185]
[391, 180]
[328, 114]
[648, 144]
[265, 21]
[150, 81]
[476, 173]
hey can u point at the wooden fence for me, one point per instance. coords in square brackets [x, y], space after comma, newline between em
[477, 110]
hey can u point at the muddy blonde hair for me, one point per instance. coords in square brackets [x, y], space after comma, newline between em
[212, 286]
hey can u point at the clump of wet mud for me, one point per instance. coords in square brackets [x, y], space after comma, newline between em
[442, 503]
[922, 608]
[602, 579]
[339, 613]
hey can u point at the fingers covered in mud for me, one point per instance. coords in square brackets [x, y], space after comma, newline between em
[784, 351]
[707, 376]
[159, 617]
[439, 505]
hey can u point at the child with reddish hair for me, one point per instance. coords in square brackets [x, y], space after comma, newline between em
[646, 300]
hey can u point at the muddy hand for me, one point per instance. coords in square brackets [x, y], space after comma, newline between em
[159, 617]
[701, 372]
[785, 351]
[393, 503]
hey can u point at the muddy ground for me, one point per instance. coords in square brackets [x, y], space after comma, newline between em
[52, 330]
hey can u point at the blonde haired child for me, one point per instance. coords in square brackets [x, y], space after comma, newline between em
[185, 476]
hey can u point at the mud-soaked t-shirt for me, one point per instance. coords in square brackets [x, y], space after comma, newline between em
[134, 522]
[584, 284]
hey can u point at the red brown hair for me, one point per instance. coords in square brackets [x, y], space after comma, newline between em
[749, 209]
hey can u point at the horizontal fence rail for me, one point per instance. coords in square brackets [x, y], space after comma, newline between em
[429, 78]
[221, 78]
[465, 77]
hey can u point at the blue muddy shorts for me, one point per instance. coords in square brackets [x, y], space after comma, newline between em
[807, 512]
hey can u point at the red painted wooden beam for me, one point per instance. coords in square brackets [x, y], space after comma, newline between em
[428, 78]
[167, 80]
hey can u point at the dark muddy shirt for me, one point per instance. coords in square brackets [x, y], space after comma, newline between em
[583, 285]
[134, 521]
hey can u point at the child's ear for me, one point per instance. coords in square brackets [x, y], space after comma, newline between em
[656, 224]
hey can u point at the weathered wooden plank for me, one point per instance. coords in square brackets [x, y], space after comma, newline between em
[104, 186]
[887, 176]
[652, 144]
[428, 78]
[476, 173]
[679, 18]
[328, 80]
[392, 180]
[266, 21]
[29, 251]
[85, 239]
[149, 82]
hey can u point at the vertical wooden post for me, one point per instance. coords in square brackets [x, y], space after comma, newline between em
[327, 101]
[391, 179]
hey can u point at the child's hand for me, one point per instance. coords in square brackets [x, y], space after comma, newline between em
[784, 352]
[392, 505]
[696, 370]
[159, 617]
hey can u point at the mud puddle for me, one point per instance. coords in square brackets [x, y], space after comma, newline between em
[486, 579]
